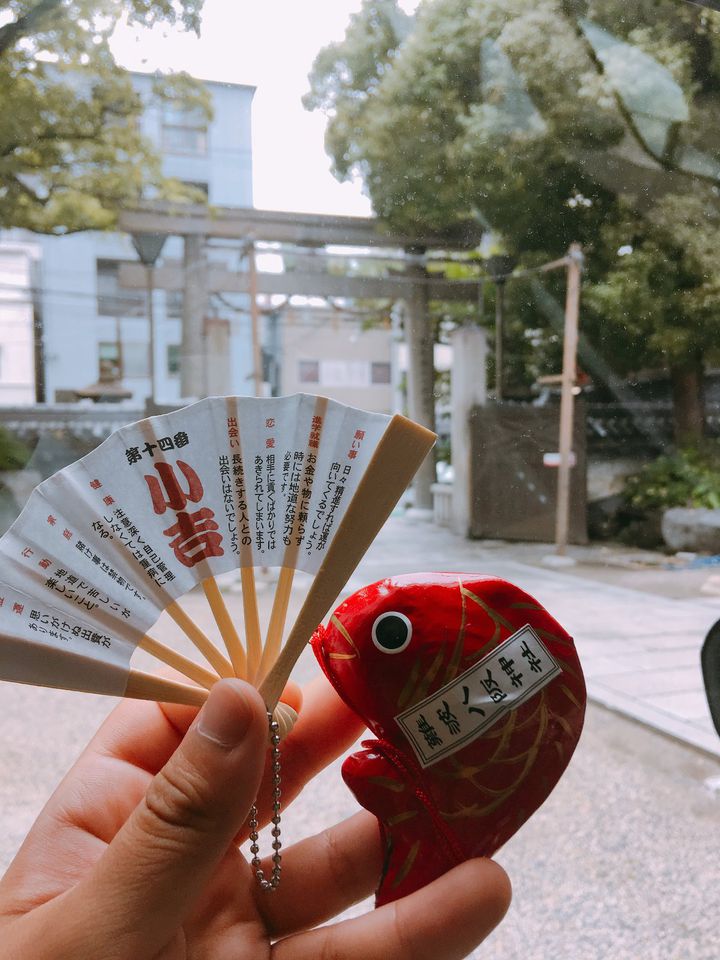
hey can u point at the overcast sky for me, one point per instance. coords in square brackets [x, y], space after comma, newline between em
[271, 45]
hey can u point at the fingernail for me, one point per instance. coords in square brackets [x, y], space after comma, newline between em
[226, 715]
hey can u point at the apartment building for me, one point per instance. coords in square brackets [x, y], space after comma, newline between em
[80, 328]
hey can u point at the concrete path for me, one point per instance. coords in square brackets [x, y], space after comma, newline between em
[638, 626]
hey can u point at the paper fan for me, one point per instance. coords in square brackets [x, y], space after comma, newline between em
[106, 545]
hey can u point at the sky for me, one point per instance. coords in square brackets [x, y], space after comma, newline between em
[270, 45]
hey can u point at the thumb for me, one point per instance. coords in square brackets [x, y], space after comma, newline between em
[159, 863]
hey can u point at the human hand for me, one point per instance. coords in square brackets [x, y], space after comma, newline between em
[135, 857]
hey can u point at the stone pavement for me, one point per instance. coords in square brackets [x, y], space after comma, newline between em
[638, 623]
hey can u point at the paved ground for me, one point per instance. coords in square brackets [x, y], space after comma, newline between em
[621, 862]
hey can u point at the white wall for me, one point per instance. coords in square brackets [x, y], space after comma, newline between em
[344, 353]
[17, 358]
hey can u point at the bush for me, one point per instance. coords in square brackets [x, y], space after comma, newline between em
[14, 454]
[688, 478]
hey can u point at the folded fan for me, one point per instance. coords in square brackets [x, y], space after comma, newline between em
[106, 545]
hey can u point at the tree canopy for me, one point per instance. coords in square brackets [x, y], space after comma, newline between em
[559, 120]
[71, 148]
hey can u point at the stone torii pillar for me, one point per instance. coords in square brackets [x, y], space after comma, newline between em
[468, 389]
[194, 309]
[421, 369]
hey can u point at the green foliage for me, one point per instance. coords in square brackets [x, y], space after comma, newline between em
[549, 122]
[71, 148]
[689, 478]
[663, 298]
[14, 454]
[350, 72]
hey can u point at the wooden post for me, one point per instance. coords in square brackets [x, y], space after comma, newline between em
[569, 375]
[255, 322]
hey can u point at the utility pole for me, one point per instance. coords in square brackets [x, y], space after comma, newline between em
[148, 247]
[150, 293]
[574, 262]
[119, 347]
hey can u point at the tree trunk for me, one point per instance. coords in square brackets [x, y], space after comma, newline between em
[688, 397]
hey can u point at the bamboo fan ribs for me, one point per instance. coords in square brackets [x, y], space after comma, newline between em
[108, 544]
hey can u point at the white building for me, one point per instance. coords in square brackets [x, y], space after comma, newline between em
[94, 330]
[17, 322]
[331, 352]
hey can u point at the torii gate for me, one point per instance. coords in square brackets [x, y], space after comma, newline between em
[414, 286]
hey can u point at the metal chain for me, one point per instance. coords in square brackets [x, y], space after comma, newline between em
[274, 880]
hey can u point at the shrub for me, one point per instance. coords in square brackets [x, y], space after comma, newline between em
[14, 454]
[688, 478]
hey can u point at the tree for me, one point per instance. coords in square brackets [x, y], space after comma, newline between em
[71, 149]
[550, 122]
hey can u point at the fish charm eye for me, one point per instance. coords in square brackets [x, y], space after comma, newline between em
[392, 632]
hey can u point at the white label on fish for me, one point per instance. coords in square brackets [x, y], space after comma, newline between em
[465, 708]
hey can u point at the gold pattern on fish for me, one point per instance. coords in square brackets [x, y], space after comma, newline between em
[342, 630]
[530, 756]
[452, 667]
[493, 614]
[387, 783]
[407, 692]
[407, 866]
[401, 817]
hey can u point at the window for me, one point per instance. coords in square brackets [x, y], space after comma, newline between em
[14, 270]
[309, 371]
[184, 132]
[136, 358]
[345, 373]
[173, 359]
[109, 366]
[112, 299]
[380, 372]
[200, 185]
[174, 304]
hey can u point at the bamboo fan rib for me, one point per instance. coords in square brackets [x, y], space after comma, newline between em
[110, 544]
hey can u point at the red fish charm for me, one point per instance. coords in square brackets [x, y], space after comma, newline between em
[477, 698]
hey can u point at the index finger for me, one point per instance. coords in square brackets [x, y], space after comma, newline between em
[446, 919]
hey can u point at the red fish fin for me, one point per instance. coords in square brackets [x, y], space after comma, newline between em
[376, 783]
[413, 853]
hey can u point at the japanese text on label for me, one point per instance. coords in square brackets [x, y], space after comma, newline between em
[462, 710]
